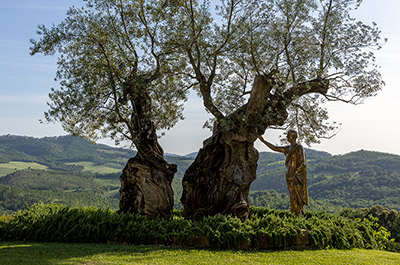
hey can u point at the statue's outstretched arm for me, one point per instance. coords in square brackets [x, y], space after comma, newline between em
[271, 146]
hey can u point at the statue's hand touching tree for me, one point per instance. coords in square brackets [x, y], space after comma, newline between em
[267, 65]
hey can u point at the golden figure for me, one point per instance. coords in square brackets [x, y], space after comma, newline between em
[296, 174]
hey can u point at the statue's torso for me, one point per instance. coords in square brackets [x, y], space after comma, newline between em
[295, 161]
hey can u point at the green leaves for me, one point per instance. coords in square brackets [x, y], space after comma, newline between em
[113, 51]
[294, 41]
[63, 224]
[380, 233]
[110, 54]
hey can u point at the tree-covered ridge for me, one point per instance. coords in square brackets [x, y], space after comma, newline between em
[66, 153]
[64, 148]
[55, 152]
[359, 161]
[26, 187]
[358, 179]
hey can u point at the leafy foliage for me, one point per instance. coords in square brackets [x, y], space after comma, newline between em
[381, 234]
[389, 219]
[64, 224]
[311, 51]
[113, 71]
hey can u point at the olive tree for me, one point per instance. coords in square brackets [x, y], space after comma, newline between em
[261, 65]
[118, 79]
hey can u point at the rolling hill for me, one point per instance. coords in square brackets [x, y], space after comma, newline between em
[61, 153]
[73, 170]
[357, 179]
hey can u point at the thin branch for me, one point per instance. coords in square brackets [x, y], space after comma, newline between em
[130, 45]
[114, 89]
[195, 36]
[228, 30]
[156, 73]
[324, 35]
[351, 100]
[253, 57]
[313, 123]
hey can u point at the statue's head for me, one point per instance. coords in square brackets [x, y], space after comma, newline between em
[292, 136]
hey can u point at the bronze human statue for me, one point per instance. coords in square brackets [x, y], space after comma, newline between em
[296, 174]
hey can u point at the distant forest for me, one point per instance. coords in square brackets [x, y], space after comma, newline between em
[74, 171]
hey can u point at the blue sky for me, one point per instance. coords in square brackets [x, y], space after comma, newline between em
[25, 82]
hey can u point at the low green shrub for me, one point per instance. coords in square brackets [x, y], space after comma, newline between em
[4, 218]
[392, 246]
[381, 234]
[57, 223]
[390, 219]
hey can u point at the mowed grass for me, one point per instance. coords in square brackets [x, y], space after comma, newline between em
[100, 169]
[10, 167]
[58, 253]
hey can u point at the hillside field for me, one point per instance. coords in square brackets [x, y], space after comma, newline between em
[12, 166]
[358, 179]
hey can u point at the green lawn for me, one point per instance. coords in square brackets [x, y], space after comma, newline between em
[10, 167]
[57, 253]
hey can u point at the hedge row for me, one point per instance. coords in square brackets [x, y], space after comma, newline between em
[390, 219]
[280, 229]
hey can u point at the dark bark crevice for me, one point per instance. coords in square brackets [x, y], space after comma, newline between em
[219, 179]
[146, 179]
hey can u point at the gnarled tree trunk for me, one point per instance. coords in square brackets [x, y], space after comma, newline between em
[219, 179]
[146, 182]
[146, 179]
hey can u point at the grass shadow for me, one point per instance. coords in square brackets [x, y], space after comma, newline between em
[60, 253]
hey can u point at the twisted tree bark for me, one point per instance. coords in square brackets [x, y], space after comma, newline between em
[146, 189]
[146, 179]
[219, 179]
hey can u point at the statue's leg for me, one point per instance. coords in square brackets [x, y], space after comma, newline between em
[296, 202]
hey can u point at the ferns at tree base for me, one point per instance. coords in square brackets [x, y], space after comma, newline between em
[57, 223]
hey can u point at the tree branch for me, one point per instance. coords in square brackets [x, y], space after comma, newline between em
[317, 85]
[324, 33]
[156, 73]
[114, 90]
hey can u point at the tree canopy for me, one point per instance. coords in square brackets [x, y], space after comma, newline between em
[313, 51]
[113, 69]
[125, 67]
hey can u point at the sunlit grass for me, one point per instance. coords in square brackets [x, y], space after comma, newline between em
[57, 253]
[113, 152]
[10, 167]
[100, 169]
